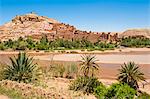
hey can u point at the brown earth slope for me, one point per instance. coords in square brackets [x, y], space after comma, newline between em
[136, 33]
[35, 26]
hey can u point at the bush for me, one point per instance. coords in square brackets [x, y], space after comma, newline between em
[2, 47]
[2, 67]
[85, 84]
[92, 49]
[58, 44]
[21, 69]
[61, 70]
[120, 91]
[82, 50]
[130, 74]
[135, 42]
[100, 91]
[144, 95]
[22, 45]
[57, 70]
[71, 71]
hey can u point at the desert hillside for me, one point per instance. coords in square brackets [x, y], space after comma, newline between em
[136, 33]
[34, 25]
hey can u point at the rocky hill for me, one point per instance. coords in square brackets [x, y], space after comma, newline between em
[136, 33]
[37, 26]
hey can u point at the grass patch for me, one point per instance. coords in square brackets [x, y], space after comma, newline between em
[2, 66]
[63, 70]
[11, 93]
[85, 84]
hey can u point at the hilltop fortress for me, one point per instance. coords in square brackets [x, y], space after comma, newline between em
[36, 26]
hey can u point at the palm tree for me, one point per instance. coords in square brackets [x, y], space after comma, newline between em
[21, 69]
[88, 64]
[130, 74]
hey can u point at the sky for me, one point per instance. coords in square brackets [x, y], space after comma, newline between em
[90, 15]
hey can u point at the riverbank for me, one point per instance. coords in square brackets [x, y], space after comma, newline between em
[109, 61]
[115, 51]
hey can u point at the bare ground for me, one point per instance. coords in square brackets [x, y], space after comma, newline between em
[3, 97]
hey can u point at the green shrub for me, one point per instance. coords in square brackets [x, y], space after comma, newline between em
[102, 49]
[144, 95]
[21, 69]
[22, 45]
[60, 48]
[58, 70]
[64, 70]
[11, 93]
[120, 91]
[2, 67]
[2, 47]
[135, 42]
[71, 71]
[82, 50]
[85, 84]
[100, 91]
[58, 44]
[30, 43]
[61, 70]
[90, 50]
[130, 74]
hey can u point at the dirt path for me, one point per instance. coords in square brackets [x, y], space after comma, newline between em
[3, 97]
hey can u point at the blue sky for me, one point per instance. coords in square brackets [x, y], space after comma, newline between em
[94, 15]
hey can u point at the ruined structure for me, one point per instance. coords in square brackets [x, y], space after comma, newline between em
[37, 26]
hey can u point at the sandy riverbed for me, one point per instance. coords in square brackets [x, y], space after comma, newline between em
[104, 58]
[109, 61]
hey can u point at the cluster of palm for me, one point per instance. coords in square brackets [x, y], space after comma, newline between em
[129, 73]
[135, 42]
[87, 82]
[58, 44]
[22, 69]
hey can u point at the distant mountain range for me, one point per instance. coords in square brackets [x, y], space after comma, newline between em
[36, 26]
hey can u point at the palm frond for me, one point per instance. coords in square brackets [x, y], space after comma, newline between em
[130, 74]
[88, 64]
[21, 69]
